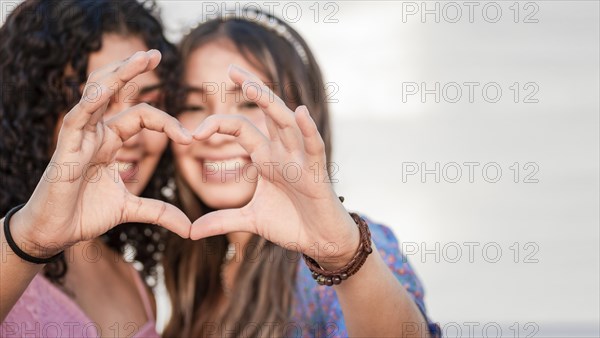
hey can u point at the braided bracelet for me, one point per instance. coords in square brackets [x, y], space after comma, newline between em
[335, 277]
[15, 248]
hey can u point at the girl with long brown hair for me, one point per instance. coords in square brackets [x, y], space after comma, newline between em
[81, 154]
[256, 180]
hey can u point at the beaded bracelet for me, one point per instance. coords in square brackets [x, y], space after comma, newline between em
[335, 277]
[15, 248]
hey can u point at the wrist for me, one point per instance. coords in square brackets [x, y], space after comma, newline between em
[328, 276]
[24, 234]
[345, 247]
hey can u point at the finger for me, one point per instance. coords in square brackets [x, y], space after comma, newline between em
[273, 129]
[246, 133]
[313, 142]
[274, 108]
[102, 85]
[146, 210]
[143, 116]
[221, 222]
[238, 76]
[117, 81]
[257, 92]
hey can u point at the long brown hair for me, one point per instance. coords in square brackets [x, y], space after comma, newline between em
[264, 287]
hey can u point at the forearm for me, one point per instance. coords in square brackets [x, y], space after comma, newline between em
[375, 304]
[15, 276]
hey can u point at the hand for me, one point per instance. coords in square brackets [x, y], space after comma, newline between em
[299, 211]
[81, 195]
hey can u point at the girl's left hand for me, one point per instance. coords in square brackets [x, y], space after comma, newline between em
[294, 204]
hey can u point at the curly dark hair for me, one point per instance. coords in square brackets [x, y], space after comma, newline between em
[38, 42]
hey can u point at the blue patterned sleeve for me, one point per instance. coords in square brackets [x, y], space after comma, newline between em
[389, 249]
[329, 311]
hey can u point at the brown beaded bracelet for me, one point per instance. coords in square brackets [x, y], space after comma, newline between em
[329, 278]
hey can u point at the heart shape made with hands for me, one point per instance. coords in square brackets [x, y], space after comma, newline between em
[294, 214]
[303, 212]
[89, 201]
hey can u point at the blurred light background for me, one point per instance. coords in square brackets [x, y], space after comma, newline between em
[374, 54]
[377, 55]
[515, 254]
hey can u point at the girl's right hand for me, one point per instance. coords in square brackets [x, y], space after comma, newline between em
[81, 194]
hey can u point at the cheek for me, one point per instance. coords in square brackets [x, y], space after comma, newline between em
[187, 165]
[183, 157]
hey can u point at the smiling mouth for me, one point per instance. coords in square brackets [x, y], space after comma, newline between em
[127, 170]
[225, 163]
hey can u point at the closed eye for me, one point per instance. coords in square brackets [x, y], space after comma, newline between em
[248, 105]
[192, 108]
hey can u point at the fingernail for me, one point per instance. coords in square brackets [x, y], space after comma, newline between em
[136, 55]
[154, 52]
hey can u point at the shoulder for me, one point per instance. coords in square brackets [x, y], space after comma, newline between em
[27, 311]
[43, 310]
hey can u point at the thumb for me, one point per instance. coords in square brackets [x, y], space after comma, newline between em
[147, 210]
[221, 222]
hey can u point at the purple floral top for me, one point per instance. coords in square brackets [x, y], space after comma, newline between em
[317, 312]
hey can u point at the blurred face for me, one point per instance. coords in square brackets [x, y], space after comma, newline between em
[139, 156]
[218, 170]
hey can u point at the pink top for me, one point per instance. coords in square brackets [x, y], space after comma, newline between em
[45, 311]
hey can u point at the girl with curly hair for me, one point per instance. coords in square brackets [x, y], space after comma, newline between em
[257, 184]
[78, 156]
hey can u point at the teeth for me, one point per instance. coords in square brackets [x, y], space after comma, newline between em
[228, 164]
[124, 166]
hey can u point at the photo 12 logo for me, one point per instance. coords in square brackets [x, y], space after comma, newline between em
[488, 329]
[469, 92]
[470, 252]
[7, 7]
[288, 11]
[470, 12]
[471, 172]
